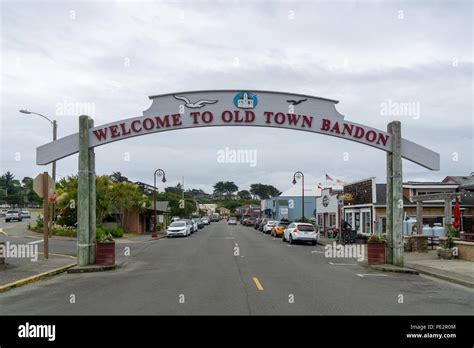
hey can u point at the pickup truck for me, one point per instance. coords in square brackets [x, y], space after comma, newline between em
[13, 215]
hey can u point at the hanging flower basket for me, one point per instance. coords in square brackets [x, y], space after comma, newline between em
[376, 250]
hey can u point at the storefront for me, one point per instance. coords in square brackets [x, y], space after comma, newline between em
[328, 209]
[359, 201]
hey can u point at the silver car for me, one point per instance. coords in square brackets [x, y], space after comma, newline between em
[178, 228]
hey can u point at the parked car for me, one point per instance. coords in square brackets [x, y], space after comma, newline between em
[193, 225]
[25, 214]
[243, 221]
[259, 224]
[301, 232]
[232, 221]
[200, 223]
[2, 213]
[178, 228]
[205, 220]
[267, 228]
[13, 215]
[250, 221]
[279, 228]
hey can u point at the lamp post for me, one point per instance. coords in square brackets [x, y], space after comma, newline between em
[55, 131]
[161, 173]
[300, 175]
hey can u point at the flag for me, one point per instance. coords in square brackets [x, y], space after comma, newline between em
[319, 186]
[329, 178]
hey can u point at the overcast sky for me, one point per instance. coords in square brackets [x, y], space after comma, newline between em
[108, 57]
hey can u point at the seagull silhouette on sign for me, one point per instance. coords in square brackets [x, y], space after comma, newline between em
[296, 102]
[196, 105]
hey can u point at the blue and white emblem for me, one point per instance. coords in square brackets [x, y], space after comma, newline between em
[245, 100]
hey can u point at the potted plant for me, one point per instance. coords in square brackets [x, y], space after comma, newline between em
[447, 253]
[361, 239]
[376, 246]
[105, 250]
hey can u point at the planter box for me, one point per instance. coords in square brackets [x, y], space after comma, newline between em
[105, 254]
[375, 253]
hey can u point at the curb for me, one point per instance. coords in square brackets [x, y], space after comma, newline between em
[393, 269]
[92, 268]
[448, 278]
[35, 278]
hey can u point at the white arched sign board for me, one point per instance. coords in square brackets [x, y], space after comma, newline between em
[238, 108]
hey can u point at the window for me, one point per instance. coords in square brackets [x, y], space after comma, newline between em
[332, 220]
[357, 221]
[320, 219]
[366, 222]
[349, 218]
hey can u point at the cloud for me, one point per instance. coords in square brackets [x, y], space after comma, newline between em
[112, 55]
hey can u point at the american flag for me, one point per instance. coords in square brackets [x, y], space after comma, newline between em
[329, 178]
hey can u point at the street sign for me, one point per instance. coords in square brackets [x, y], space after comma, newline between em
[52, 196]
[38, 184]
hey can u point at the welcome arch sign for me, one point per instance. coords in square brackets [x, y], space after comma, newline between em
[218, 108]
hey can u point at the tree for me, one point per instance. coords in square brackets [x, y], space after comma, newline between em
[220, 188]
[264, 191]
[126, 196]
[178, 189]
[244, 194]
[118, 177]
[230, 187]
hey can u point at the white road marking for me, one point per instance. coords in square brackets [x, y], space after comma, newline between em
[371, 274]
[36, 242]
[4, 233]
[230, 238]
[342, 264]
[317, 251]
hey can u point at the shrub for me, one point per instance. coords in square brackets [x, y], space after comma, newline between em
[115, 232]
[66, 231]
[376, 239]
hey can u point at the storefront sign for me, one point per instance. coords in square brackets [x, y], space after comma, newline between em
[238, 108]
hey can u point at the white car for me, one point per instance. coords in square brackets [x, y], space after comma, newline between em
[205, 220]
[178, 228]
[267, 228]
[195, 225]
[232, 221]
[301, 232]
[25, 214]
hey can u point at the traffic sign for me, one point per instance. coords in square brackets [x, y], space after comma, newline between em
[38, 184]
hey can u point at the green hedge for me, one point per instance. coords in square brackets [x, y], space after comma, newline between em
[116, 232]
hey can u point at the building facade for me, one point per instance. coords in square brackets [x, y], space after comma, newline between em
[328, 209]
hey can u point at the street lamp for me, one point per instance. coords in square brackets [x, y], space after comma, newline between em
[55, 130]
[300, 175]
[161, 173]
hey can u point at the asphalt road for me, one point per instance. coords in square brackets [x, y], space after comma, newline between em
[203, 274]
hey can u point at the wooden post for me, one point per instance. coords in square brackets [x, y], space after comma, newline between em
[419, 217]
[397, 192]
[389, 202]
[447, 214]
[45, 215]
[83, 194]
[92, 201]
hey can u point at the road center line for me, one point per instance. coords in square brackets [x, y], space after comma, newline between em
[371, 274]
[257, 283]
[342, 264]
[36, 242]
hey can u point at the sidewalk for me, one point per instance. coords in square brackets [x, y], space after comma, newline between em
[455, 271]
[19, 271]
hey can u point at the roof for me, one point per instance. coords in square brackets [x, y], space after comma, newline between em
[466, 180]
[295, 191]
